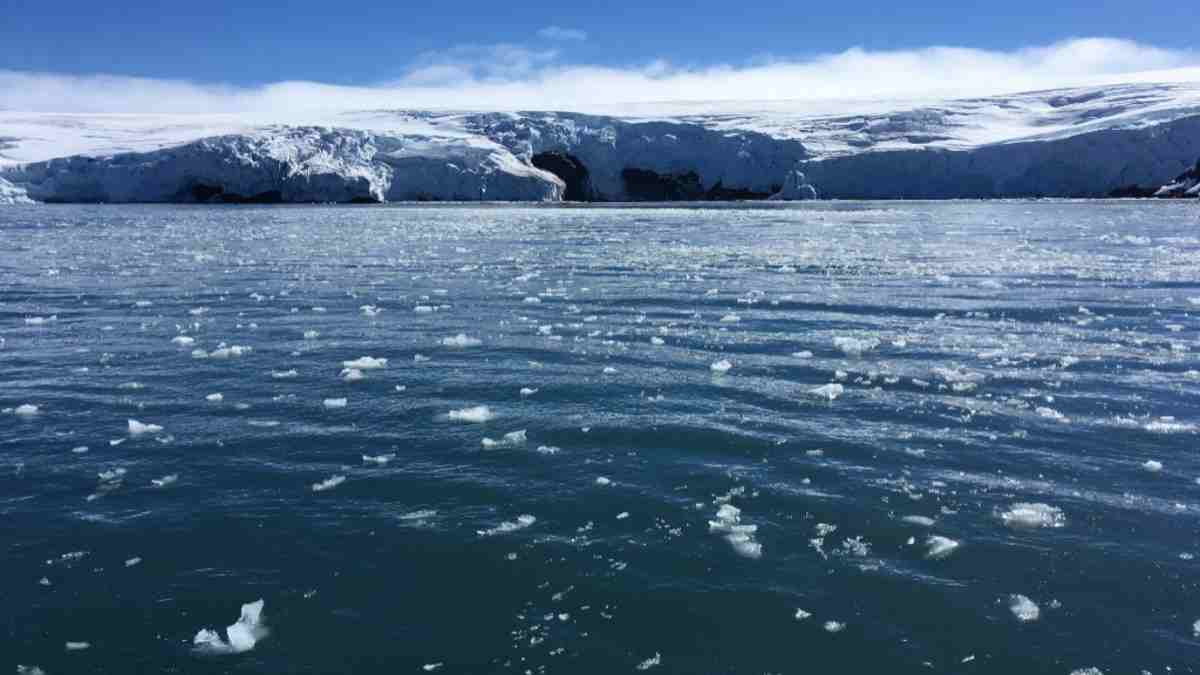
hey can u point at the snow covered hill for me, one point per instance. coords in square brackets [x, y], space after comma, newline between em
[1089, 142]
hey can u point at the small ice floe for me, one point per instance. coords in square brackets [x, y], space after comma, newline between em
[923, 521]
[365, 363]
[111, 475]
[379, 459]
[79, 450]
[230, 352]
[523, 521]
[424, 309]
[284, 374]
[622, 515]
[834, 626]
[1023, 608]
[183, 340]
[803, 354]
[650, 662]
[1052, 414]
[801, 615]
[199, 354]
[1168, 425]
[548, 450]
[430, 667]
[657, 341]
[311, 335]
[938, 547]
[40, 320]
[78, 646]
[461, 341]
[352, 375]
[420, 358]
[828, 391]
[1033, 515]
[1087, 671]
[370, 310]
[165, 480]
[601, 480]
[740, 537]
[332, 403]
[511, 439]
[722, 366]
[475, 414]
[239, 637]
[133, 562]
[1152, 465]
[137, 428]
[29, 670]
[1196, 626]
[609, 370]
[26, 410]
[328, 483]
[852, 346]
[214, 398]
[731, 318]
[527, 392]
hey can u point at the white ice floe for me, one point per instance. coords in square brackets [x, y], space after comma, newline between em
[852, 346]
[379, 459]
[352, 375]
[239, 637]
[26, 410]
[731, 318]
[526, 391]
[801, 615]
[511, 439]
[40, 320]
[78, 646]
[728, 521]
[461, 341]
[523, 521]
[1087, 671]
[1052, 414]
[1196, 629]
[474, 414]
[722, 366]
[328, 483]
[370, 310]
[311, 335]
[365, 363]
[214, 398]
[332, 403]
[923, 521]
[229, 352]
[430, 667]
[650, 662]
[1152, 465]
[828, 391]
[284, 374]
[1023, 608]
[137, 428]
[165, 480]
[133, 562]
[834, 626]
[803, 354]
[938, 547]
[183, 340]
[1033, 515]
[657, 341]
[601, 480]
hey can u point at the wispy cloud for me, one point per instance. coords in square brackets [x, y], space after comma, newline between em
[514, 76]
[562, 34]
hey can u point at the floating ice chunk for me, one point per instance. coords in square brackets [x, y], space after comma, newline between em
[801, 615]
[1153, 466]
[828, 391]
[475, 414]
[650, 662]
[365, 363]
[1196, 626]
[1051, 413]
[111, 475]
[214, 398]
[1168, 425]
[241, 636]
[731, 318]
[184, 340]
[137, 428]
[132, 562]
[430, 667]
[523, 521]
[722, 366]
[834, 626]
[609, 370]
[79, 450]
[526, 391]
[461, 341]
[1035, 514]
[548, 450]
[511, 439]
[370, 310]
[423, 309]
[328, 483]
[199, 354]
[852, 346]
[1087, 671]
[622, 515]
[40, 320]
[601, 480]
[1023, 608]
[26, 410]
[234, 351]
[740, 537]
[78, 646]
[923, 521]
[165, 480]
[803, 354]
[332, 403]
[379, 459]
[284, 374]
[657, 341]
[352, 374]
[938, 547]
[311, 335]
[29, 670]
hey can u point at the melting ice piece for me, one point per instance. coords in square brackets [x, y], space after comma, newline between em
[802, 615]
[352, 374]
[332, 403]
[1153, 466]
[1023, 608]
[379, 459]
[328, 483]
[938, 547]
[523, 521]
[650, 662]
[510, 439]
[923, 521]
[1035, 514]
[601, 480]
[829, 391]
[475, 414]
[165, 480]
[365, 363]
[239, 637]
[722, 366]
[526, 391]
[311, 335]
[834, 626]
[371, 310]
[184, 340]
[284, 374]
[461, 340]
[740, 537]
[136, 428]
[852, 346]
[77, 646]
[214, 398]
[26, 410]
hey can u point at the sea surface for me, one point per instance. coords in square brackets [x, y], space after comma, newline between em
[832, 438]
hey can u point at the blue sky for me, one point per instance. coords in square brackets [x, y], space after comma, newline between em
[371, 41]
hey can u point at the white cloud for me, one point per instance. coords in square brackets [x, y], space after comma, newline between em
[513, 76]
[563, 34]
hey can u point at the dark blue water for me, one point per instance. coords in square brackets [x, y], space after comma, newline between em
[1003, 480]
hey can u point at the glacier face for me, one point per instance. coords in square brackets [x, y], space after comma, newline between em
[1080, 142]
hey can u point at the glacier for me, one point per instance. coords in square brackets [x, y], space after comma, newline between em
[1124, 140]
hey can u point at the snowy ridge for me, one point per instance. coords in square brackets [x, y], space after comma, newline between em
[1086, 142]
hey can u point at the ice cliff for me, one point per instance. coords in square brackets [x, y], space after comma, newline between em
[1126, 140]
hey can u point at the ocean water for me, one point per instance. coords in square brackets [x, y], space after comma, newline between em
[828, 438]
